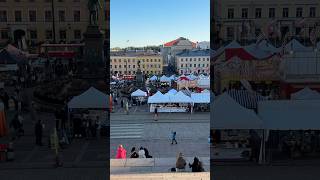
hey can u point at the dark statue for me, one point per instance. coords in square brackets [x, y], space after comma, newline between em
[93, 7]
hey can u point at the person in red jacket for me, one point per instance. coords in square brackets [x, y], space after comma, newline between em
[121, 153]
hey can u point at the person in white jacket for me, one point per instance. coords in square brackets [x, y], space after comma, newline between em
[142, 153]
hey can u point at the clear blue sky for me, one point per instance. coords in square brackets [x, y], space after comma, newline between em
[154, 22]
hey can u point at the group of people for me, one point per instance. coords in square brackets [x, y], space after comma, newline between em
[141, 153]
[181, 163]
[86, 127]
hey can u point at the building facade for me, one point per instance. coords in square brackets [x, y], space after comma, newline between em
[32, 21]
[193, 61]
[129, 64]
[246, 20]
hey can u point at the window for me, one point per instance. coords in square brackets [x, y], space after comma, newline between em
[230, 32]
[62, 17]
[207, 65]
[190, 65]
[4, 34]
[299, 12]
[199, 65]
[77, 34]
[115, 66]
[298, 30]
[119, 66]
[207, 59]
[203, 65]
[151, 60]
[76, 16]
[128, 60]
[285, 12]
[129, 66]
[230, 13]
[244, 13]
[134, 66]
[110, 66]
[33, 34]
[258, 12]
[48, 16]
[181, 65]
[194, 65]
[63, 34]
[194, 59]
[312, 12]
[49, 34]
[3, 16]
[32, 16]
[272, 12]
[18, 16]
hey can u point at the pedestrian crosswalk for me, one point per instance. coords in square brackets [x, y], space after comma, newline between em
[126, 131]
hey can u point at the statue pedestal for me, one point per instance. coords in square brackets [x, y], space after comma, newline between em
[139, 79]
[93, 48]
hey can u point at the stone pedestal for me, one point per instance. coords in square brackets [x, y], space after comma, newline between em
[93, 50]
[139, 79]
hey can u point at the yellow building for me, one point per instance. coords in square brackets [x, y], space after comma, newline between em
[128, 64]
[244, 20]
[32, 20]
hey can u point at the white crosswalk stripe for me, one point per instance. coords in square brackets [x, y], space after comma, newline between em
[126, 131]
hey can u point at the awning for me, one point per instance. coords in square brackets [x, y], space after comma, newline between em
[245, 98]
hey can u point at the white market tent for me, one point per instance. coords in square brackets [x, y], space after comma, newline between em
[158, 97]
[172, 77]
[290, 114]
[180, 97]
[153, 78]
[295, 45]
[200, 98]
[139, 93]
[226, 113]
[92, 98]
[165, 79]
[306, 93]
[172, 91]
[203, 82]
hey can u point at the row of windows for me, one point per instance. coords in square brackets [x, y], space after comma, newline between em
[133, 60]
[194, 65]
[271, 12]
[134, 72]
[194, 72]
[33, 34]
[48, 16]
[134, 66]
[194, 59]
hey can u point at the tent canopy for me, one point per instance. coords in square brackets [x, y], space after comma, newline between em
[290, 114]
[226, 113]
[153, 78]
[165, 79]
[201, 98]
[139, 93]
[172, 91]
[158, 97]
[92, 98]
[306, 93]
[180, 97]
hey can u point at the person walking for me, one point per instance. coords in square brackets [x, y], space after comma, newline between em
[173, 137]
[38, 132]
[156, 113]
[180, 163]
[98, 127]
[121, 153]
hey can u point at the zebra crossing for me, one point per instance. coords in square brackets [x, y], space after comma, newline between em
[126, 131]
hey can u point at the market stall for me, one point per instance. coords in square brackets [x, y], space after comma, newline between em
[139, 96]
[201, 101]
[165, 81]
[306, 94]
[91, 103]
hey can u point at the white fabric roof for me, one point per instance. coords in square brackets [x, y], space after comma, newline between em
[138, 93]
[205, 91]
[180, 97]
[153, 78]
[295, 45]
[92, 98]
[226, 113]
[203, 83]
[172, 77]
[200, 97]
[165, 79]
[192, 77]
[290, 114]
[306, 93]
[172, 91]
[158, 97]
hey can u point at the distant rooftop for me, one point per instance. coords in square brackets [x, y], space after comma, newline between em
[134, 53]
[197, 52]
[176, 41]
